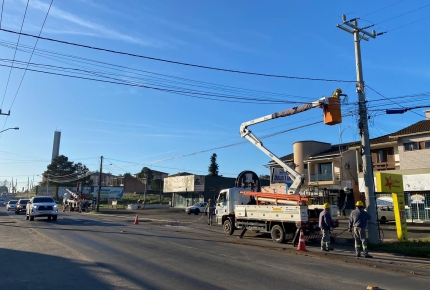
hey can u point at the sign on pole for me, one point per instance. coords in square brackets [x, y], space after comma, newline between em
[393, 183]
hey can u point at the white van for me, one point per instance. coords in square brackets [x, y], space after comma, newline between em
[386, 214]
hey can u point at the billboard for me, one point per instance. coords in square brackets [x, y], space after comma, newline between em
[280, 176]
[109, 192]
[384, 201]
[191, 183]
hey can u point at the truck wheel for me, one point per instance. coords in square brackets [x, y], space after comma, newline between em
[31, 218]
[228, 227]
[278, 234]
[383, 220]
[54, 217]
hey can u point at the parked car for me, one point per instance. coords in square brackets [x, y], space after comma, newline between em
[4, 194]
[197, 208]
[385, 214]
[41, 206]
[2, 202]
[21, 205]
[11, 205]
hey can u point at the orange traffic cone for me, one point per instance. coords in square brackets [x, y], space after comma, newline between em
[302, 245]
[136, 220]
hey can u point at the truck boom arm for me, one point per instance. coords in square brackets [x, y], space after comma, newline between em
[297, 177]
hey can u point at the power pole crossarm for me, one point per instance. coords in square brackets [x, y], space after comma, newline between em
[363, 127]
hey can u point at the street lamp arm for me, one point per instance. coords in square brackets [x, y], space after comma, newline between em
[15, 128]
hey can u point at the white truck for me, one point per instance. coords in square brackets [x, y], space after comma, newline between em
[283, 215]
[74, 201]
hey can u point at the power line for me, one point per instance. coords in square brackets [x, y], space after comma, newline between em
[401, 26]
[382, 8]
[178, 80]
[31, 56]
[391, 100]
[185, 93]
[1, 15]
[400, 15]
[175, 62]
[14, 55]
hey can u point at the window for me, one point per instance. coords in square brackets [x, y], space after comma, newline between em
[425, 145]
[410, 146]
[305, 166]
[382, 155]
[324, 168]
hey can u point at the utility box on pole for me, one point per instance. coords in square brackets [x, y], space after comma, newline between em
[363, 126]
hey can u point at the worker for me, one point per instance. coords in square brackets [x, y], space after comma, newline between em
[325, 226]
[209, 210]
[358, 222]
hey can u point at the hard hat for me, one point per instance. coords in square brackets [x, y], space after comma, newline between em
[339, 90]
[326, 205]
[359, 203]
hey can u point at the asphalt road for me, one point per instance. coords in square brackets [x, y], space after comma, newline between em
[107, 252]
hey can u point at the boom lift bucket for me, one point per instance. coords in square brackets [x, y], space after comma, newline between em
[332, 111]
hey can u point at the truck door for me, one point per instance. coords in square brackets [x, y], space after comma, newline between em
[221, 206]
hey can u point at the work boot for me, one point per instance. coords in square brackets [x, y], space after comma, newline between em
[358, 255]
[368, 256]
[324, 250]
[331, 249]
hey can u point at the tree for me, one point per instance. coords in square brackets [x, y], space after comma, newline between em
[264, 177]
[213, 167]
[146, 173]
[157, 184]
[63, 171]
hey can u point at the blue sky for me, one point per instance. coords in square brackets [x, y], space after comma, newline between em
[134, 127]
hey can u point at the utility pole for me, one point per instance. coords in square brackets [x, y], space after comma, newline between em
[28, 187]
[363, 126]
[100, 184]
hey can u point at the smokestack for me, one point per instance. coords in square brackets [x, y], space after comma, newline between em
[56, 145]
[427, 114]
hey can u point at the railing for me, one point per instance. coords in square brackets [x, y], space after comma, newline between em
[380, 166]
[322, 177]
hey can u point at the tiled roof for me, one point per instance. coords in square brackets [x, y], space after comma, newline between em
[419, 127]
[283, 158]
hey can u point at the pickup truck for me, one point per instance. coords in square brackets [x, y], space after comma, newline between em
[41, 206]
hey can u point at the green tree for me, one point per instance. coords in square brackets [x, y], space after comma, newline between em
[63, 171]
[213, 167]
[157, 185]
[146, 173]
[264, 177]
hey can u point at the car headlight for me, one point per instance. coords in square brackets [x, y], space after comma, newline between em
[34, 206]
[55, 206]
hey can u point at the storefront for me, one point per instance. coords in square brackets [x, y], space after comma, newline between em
[186, 190]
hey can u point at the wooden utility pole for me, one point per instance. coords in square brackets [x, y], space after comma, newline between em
[100, 184]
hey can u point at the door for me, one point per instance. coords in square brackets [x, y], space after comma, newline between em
[222, 204]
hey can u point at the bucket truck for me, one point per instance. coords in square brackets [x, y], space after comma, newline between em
[283, 215]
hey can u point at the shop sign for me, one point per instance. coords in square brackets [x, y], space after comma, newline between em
[418, 199]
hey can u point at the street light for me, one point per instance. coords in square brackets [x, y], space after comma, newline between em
[16, 128]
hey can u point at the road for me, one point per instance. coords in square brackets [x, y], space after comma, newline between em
[106, 252]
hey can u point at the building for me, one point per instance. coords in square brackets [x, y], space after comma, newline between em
[405, 152]
[187, 189]
[329, 171]
[107, 179]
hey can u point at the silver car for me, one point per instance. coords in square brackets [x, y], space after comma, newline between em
[11, 204]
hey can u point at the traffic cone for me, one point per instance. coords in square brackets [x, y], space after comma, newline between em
[136, 220]
[302, 245]
[64, 209]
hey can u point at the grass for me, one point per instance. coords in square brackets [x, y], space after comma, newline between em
[414, 248]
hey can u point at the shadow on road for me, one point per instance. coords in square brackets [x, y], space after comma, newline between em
[28, 270]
